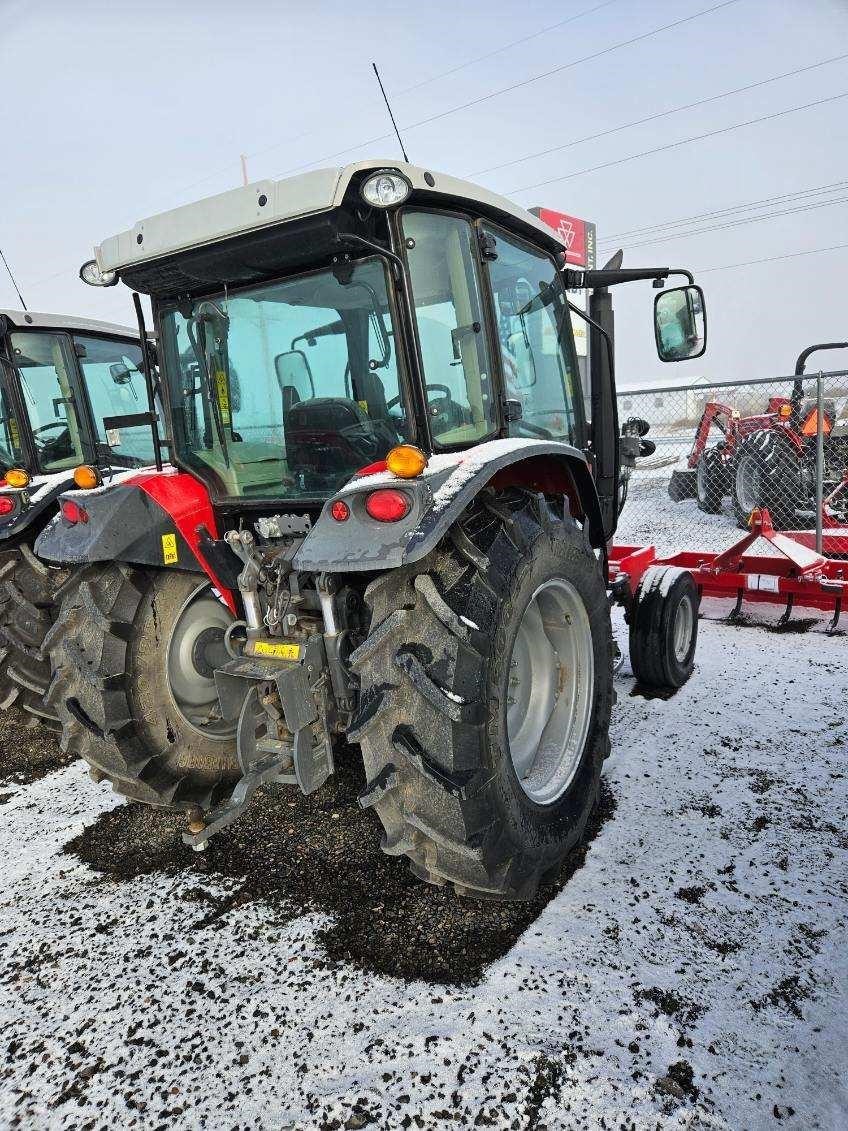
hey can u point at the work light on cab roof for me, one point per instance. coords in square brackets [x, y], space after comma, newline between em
[90, 273]
[385, 189]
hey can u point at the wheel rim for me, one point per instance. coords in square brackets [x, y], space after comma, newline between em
[748, 483]
[195, 648]
[684, 620]
[551, 683]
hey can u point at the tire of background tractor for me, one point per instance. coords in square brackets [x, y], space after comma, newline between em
[767, 473]
[683, 485]
[664, 628]
[28, 590]
[711, 482]
[499, 636]
[132, 654]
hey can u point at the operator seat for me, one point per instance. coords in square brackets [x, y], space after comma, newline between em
[332, 437]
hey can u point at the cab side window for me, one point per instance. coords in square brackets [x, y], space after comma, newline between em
[113, 375]
[45, 364]
[451, 332]
[534, 334]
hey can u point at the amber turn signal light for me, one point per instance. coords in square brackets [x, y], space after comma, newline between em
[406, 461]
[17, 477]
[785, 411]
[86, 477]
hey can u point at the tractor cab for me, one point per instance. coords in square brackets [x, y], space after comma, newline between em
[308, 327]
[61, 379]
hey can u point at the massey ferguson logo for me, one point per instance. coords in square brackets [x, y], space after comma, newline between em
[567, 232]
[577, 235]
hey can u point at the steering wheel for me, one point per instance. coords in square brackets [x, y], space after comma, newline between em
[36, 432]
[443, 389]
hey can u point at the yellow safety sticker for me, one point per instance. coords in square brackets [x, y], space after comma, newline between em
[14, 434]
[223, 394]
[169, 549]
[278, 651]
[364, 406]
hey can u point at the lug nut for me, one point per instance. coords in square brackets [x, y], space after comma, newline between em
[196, 823]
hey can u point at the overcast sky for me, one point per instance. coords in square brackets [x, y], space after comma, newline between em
[112, 111]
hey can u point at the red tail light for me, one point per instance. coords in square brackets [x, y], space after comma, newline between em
[388, 505]
[73, 513]
[340, 510]
[7, 505]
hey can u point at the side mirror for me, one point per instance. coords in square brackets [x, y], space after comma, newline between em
[293, 372]
[120, 373]
[680, 323]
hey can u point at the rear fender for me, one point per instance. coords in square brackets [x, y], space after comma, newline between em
[33, 506]
[155, 519]
[437, 498]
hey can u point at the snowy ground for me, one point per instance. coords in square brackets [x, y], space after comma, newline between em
[690, 974]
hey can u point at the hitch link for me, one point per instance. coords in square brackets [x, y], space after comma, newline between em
[282, 733]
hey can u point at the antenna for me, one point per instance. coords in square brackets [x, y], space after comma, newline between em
[391, 115]
[12, 277]
[244, 169]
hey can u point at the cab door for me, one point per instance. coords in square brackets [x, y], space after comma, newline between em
[50, 399]
[541, 379]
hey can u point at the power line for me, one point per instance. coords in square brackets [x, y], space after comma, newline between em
[677, 144]
[730, 224]
[656, 117]
[773, 258]
[507, 46]
[517, 85]
[723, 211]
[484, 98]
[416, 86]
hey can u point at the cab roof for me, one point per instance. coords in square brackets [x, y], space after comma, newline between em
[266, 203]
[31, 320]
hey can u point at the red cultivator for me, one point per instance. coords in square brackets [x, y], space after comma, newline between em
[794, 575]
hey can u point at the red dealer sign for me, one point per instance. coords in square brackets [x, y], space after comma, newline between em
[577, 235]
[580, 243]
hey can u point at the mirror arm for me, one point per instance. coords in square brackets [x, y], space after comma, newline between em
[580, 280]
[592, 322]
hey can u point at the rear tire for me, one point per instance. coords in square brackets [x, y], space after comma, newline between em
[711, 482]
[767, 474]
[121, 653]
[28, 590]
[434, 723]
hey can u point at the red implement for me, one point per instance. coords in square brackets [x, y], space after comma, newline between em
[794, 574]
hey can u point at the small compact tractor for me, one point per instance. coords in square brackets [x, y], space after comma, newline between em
[396, 532]
[59, 377]
[768, 461]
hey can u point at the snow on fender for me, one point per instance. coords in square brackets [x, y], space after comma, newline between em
[663, 619]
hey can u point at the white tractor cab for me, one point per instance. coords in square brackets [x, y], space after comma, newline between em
[61, 379]
[388, 519]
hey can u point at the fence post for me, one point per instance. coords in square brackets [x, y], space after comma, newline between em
[819, 462]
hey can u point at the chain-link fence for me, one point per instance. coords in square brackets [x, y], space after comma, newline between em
[725, 448]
